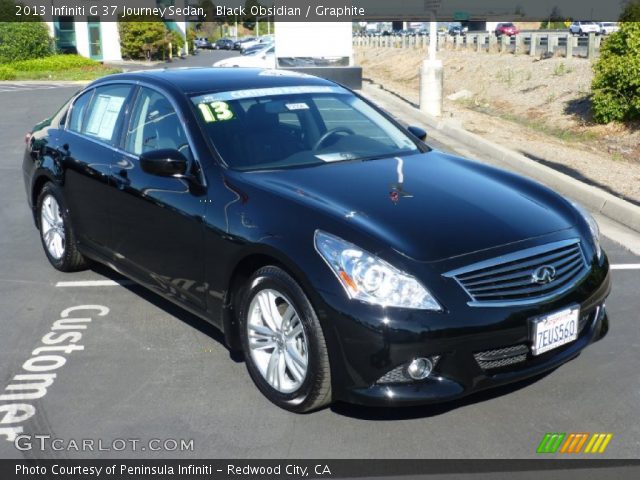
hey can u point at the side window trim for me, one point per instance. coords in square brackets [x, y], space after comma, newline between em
[69, 116]
[128, 118]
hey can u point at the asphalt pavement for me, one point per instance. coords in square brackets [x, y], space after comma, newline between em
[148, 370]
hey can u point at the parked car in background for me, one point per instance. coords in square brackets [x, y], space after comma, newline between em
[607, 28]
[238, 43]
[508, 29]
[455, 30]
[255, 48]
[223, 44]
[584, 28]
[263, 58]
[264, 40]
[202, 42]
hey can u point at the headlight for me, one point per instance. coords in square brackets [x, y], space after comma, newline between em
[593, 227]
[370, 279]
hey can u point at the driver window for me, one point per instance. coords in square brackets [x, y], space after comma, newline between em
[155, 125]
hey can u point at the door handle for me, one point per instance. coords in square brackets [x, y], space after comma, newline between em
[122, 179]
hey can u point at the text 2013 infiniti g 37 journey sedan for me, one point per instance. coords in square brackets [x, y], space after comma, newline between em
[346, 258]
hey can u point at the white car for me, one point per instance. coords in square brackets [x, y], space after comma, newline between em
[266, 39]
[584, 28]
[265, 58]
[607, 28]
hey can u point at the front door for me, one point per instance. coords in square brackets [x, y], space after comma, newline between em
[157, 222]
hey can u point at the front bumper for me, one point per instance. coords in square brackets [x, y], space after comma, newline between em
[369, 343]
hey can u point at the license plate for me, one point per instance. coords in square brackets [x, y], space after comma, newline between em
[555, 329]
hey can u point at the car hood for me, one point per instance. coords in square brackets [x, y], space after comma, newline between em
[428, 206]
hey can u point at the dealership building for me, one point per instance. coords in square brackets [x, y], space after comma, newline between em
[98, 39]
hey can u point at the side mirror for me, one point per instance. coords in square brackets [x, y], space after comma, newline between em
[418, 132]
[166, 162]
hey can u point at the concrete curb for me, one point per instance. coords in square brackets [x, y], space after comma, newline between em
[591, 197]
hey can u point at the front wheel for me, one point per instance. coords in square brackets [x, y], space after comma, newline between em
[56, 233]
[283, 342]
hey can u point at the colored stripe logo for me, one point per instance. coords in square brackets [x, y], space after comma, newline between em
[574, 443]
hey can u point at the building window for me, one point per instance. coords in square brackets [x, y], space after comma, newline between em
[65, 35]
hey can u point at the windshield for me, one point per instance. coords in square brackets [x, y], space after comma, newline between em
[283, 127]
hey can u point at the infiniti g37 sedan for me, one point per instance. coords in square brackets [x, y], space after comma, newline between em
[346, 258]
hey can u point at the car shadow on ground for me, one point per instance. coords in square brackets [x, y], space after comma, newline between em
[172, 309]
[360, 412]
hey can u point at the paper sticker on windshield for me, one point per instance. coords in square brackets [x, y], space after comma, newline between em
[336, 157]
[216, 111]
[267, 92]
[297, 106]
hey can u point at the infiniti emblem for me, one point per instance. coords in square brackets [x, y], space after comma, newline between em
[543, 275]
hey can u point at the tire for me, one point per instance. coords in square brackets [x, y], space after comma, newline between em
[56, 234]
[284, 384]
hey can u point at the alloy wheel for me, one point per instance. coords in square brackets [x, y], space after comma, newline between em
[277, 341]
[52, 227]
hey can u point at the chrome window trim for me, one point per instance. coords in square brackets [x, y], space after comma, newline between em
[519, 255]
[137, 83]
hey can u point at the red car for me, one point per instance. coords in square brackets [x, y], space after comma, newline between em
[508, 29]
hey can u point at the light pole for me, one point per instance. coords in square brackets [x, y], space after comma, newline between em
[431, 78]
[258, 25]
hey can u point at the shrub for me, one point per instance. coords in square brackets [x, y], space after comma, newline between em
[7, 73]
[616, 84]
[21, 41]
[141, 39]
[53, 63]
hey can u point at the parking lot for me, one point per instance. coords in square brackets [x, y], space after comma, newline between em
[148, 370]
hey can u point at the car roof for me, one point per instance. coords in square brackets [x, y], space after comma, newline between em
[200, 80]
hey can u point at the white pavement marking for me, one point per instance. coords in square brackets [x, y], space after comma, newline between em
[17, 87]
[625, 266]
[94, 283]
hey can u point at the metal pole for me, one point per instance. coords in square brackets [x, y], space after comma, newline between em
[431, 75]
[433, 38]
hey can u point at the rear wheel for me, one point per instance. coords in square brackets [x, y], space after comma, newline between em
[283, 342]
[56, 234]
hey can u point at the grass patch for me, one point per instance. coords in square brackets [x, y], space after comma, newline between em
[564, 134]
[55, 67]
[561, 69]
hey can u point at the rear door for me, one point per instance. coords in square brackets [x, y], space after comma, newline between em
[86, 147]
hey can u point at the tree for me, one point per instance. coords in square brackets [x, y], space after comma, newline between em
[631, 12]
[616, 84]
[22, 40]
[142, 37]
[555, 21]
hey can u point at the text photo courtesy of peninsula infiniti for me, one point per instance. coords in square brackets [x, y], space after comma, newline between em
[345, 258]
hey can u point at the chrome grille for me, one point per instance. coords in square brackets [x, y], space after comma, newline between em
[509, 279]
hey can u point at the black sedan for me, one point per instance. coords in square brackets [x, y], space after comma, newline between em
[223, 44]
[344, 257]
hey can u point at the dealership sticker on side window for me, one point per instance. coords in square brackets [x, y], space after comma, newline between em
[555, 329]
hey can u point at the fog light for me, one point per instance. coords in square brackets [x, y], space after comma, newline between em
[420, 368]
